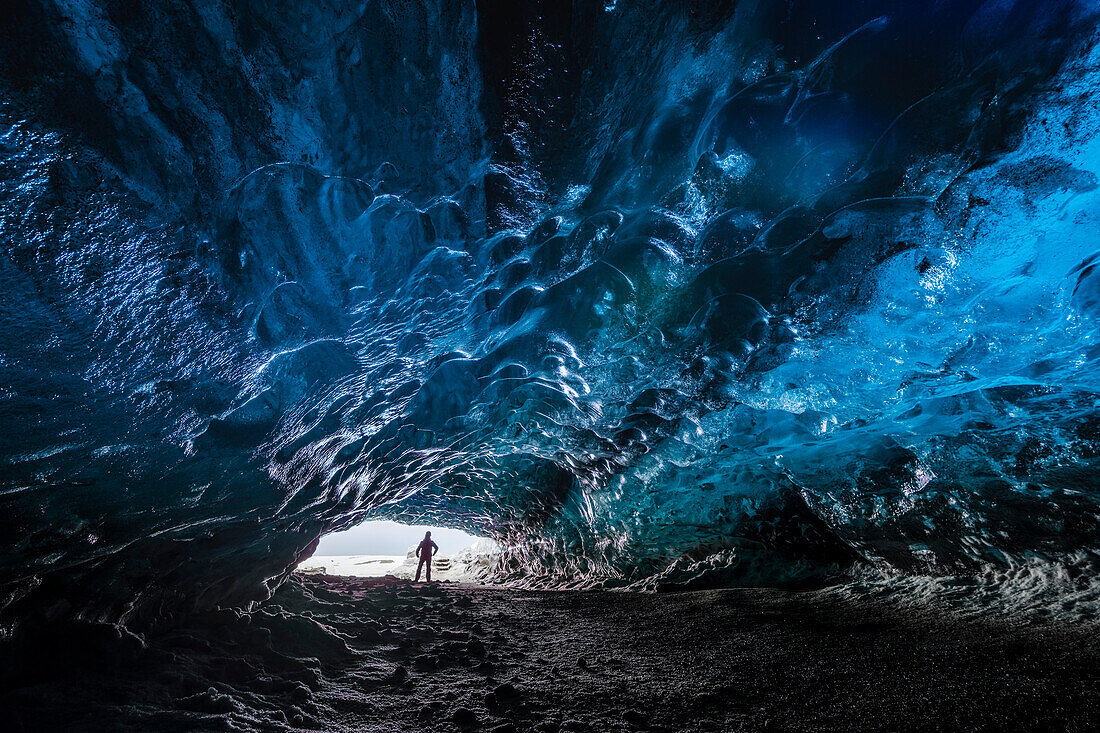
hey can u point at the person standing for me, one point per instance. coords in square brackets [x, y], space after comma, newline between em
[425, 550]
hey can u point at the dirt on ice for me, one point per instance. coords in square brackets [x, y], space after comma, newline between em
[354, 654]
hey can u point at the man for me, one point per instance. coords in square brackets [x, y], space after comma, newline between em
[425, 550]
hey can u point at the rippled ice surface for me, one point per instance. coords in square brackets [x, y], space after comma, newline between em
[738, 302]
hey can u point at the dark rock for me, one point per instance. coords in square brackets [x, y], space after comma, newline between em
[300, 693]
[506, 691]
[425, 662]
[464, 717]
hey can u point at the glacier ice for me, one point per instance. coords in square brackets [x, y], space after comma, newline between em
[741, 293]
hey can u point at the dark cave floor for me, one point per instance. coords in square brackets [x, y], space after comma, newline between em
[330, 653]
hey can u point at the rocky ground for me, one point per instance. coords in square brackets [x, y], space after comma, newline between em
[348, 654]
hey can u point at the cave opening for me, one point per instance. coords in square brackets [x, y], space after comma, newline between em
[381, 547]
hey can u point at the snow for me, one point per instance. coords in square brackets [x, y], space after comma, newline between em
[361, 566]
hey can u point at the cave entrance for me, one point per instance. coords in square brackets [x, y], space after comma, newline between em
[383, 547]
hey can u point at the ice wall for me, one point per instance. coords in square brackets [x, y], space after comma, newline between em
[716, 292]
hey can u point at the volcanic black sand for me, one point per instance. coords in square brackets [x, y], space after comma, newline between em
[331, 653]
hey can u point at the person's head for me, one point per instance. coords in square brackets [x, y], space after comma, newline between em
[427, 535]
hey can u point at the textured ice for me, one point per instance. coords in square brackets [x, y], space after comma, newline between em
[646, 294]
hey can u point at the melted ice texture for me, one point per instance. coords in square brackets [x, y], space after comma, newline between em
[788, 290]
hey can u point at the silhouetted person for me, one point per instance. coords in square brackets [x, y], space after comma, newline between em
[425, 550]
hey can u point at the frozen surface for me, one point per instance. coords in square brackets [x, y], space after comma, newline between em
[358, 566]
[649, 295]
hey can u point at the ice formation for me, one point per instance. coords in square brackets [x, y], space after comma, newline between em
[646, 292]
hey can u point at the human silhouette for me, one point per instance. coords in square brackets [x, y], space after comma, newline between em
[425, 550]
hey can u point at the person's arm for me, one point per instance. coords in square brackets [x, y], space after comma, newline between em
[435, 549]
[418, 551]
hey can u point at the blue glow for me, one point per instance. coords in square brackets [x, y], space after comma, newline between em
[754, 295]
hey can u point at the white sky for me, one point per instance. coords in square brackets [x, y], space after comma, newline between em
[389, 538]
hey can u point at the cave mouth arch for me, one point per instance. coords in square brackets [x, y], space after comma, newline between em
[380, 547]
[376, 536]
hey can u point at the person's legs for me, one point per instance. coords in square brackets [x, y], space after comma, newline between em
[419, 567]
[428, 567]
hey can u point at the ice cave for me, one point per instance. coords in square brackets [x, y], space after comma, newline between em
[719, 319]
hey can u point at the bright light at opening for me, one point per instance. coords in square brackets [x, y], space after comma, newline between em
[390, 538]
[380, 548]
